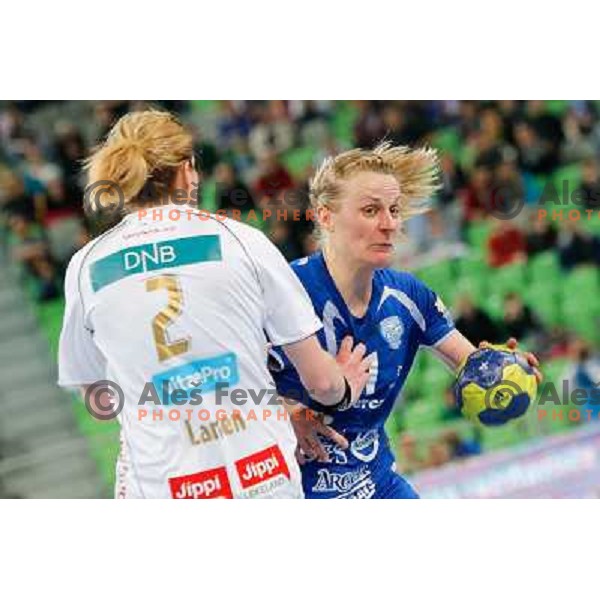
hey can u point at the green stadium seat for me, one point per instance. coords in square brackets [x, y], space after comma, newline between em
[583, 279]
[442, 271]
[209, 195]
[511, 434]
[553, 372]
[103, 439]
[572, 175]
[543, 267]
[298, 160]
[396, 420]
[580, 302]
[448, 140]
[411, 387]
[474, 285]
[472, 265]
[423, 413]
[417, 365]
[344, 118]
[552, 422]
[553, 369]
[554, 418]
[494, 305]
[428, 360]
[433, 386]
[541, 181]
[50, 317]
[427, 433]
[466, 157]
[543, 299]
[428, 377]
[478, 234]
[557, 107]
[206, 106]
[392, 430]
[440, 278]
[510, 278]
[105, 450]
[515, 432]
[584, 320]
[534, 190]
[592, 225]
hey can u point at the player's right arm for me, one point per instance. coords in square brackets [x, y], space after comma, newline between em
[291, 323]
[322, 375]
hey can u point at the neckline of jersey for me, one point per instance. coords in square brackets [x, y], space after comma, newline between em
[371, 308]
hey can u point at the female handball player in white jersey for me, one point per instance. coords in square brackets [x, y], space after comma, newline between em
[173, 305]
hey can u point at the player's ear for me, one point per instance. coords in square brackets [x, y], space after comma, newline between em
[188, 176]
[189, 167]
[325, 217]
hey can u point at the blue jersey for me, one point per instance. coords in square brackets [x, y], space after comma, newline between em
[402, 315]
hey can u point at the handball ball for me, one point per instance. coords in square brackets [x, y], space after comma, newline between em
[494, 386]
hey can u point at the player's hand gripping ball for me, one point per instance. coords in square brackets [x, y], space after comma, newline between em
[494, 386]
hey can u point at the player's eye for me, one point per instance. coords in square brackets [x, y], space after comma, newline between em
[395, 211]
[369, 211]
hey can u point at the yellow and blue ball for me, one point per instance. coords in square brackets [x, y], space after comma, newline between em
[495, 386]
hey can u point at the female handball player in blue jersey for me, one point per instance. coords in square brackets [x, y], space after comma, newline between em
[361, 198]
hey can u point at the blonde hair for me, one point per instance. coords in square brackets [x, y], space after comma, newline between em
[141, 154]
[416, 171]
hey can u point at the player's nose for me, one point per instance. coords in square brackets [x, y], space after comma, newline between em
[387, 222]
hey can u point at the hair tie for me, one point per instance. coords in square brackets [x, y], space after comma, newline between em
[136, 146]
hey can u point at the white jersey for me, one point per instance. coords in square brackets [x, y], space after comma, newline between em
[173, 307]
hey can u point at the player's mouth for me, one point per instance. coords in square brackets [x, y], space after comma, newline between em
[384, 247]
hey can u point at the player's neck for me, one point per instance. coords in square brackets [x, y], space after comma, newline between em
[354, 282]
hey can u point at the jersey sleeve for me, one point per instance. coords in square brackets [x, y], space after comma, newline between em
[286, 378]
[437, 321]
[79, 359]
[290, 316]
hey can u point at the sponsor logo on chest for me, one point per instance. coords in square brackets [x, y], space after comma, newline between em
[365, 445]
[391, 329]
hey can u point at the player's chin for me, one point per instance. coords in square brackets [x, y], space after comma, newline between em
[381, 256]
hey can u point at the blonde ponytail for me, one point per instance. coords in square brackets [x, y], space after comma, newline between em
[144, 147]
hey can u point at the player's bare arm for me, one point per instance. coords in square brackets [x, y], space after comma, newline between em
[323, 375]
[455, 349]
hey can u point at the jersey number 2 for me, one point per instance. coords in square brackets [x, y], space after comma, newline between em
[166, 316]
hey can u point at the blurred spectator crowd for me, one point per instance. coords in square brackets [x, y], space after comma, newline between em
[254, 153]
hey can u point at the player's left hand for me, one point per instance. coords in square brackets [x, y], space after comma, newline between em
[308, 425]
[354, 366]
[530, 357]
